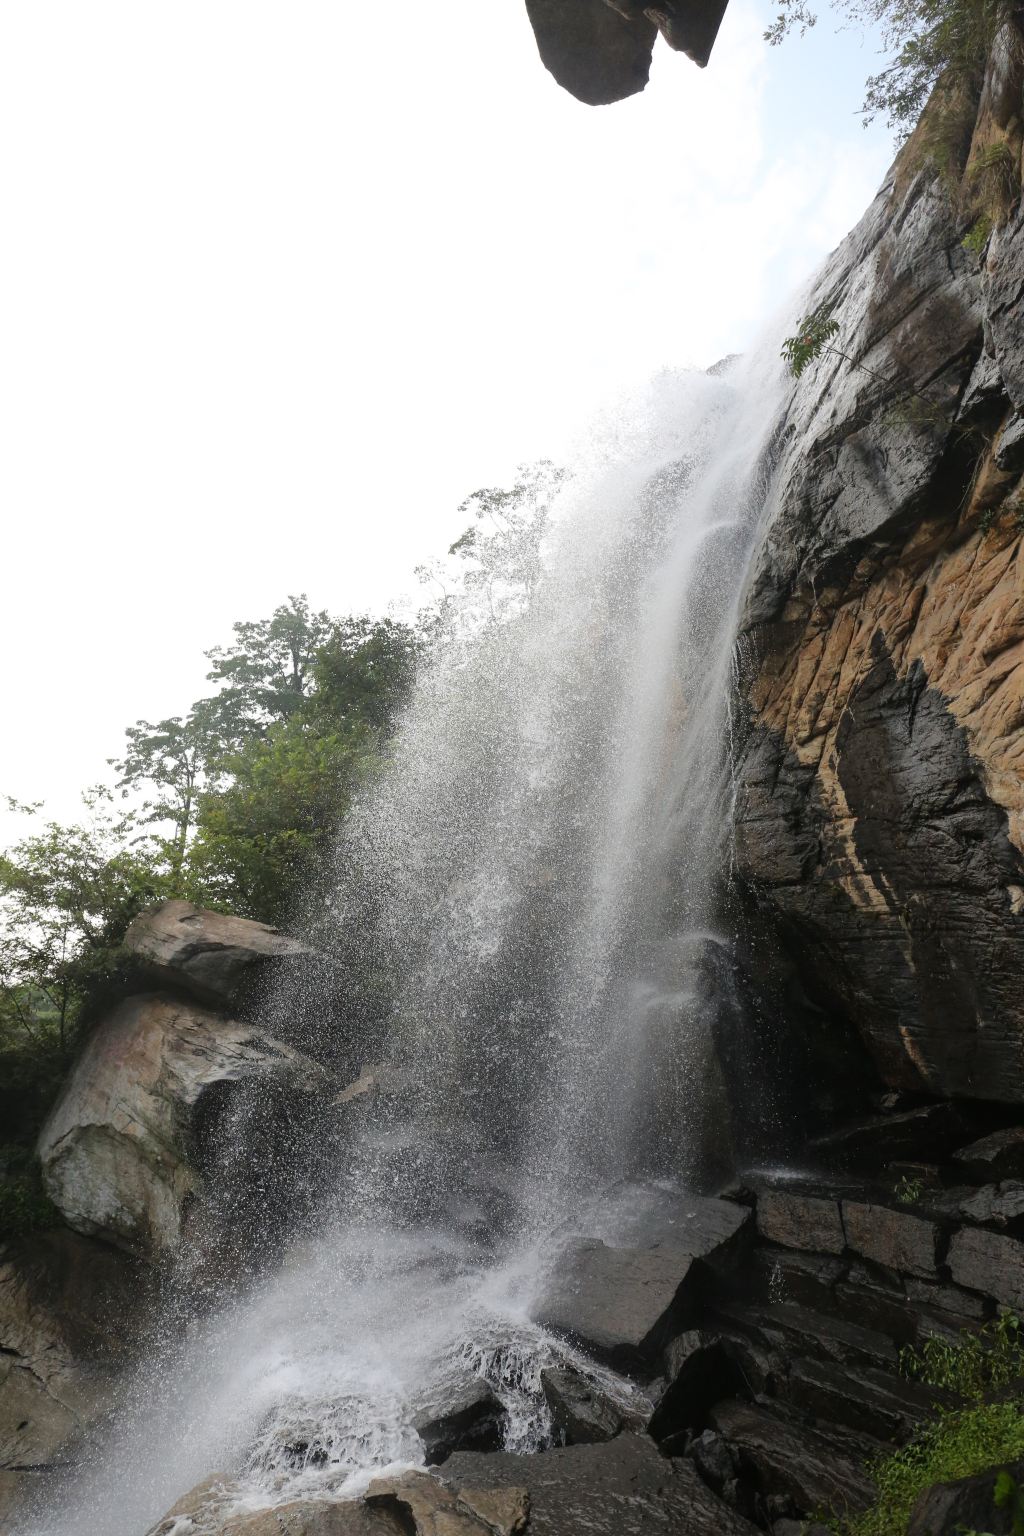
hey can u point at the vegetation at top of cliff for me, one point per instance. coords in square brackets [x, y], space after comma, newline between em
[925, 40]
[973, 1436]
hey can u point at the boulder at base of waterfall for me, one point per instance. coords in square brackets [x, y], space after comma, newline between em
[580, 1414]
[624, 1487]
[211, 1509]
[470, 1418]
[222, 960]
[68, 1306]
[623, 1304]
[420, 1504]
[120, 1150]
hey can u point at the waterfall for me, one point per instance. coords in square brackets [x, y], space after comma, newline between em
[540, 871]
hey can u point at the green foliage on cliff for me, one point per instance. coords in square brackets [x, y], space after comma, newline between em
[926, 41]
[973, 1436]
[813, 336]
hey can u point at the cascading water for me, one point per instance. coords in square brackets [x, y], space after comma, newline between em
[540, 871]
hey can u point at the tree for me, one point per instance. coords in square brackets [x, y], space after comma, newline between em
[172, 760]
[365, 671]
[67, 895]
[267, 673]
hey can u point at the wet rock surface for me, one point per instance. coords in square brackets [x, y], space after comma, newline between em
[121, 1151]
[623, 1303]
[580, 1414]
[471, 1418]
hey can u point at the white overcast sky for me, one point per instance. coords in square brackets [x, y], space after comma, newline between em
[283, 282]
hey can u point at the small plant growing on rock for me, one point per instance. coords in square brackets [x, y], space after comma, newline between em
[815, 332]
[973, 1365]
[908, 1191]
[977, 237]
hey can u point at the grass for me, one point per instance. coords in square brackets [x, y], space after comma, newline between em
[961, 1441]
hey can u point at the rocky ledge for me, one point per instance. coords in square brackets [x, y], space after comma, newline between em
[764, 1328]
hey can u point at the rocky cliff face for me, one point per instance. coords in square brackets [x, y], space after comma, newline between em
[880, 811]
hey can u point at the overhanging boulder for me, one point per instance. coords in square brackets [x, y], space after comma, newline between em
[218, 959]
[600, 50]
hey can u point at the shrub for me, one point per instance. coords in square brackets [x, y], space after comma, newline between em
[961, 1441]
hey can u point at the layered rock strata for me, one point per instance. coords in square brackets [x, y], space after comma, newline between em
[880, 805]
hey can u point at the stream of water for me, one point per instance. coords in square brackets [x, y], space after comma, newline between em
[542, 868]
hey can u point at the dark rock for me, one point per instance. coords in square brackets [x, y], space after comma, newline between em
[621, 1488]
[703, 1376]
[948, 1509]
[947, 1299]
[470, 1418]
[901, 1242]
[996, 1204]
[869, 1401]
[69, 1308]
[220, 960]
[815, 1469]
[580, 1414]
[990, 1263]
[624, 1303]
[880, 1308]
[803, 1279]
[713, 1459]
[996, 1157]
[793, 1329]
[878, 1140]
[800, 1221]
[600, 50]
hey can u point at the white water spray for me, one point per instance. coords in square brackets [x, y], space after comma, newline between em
[542, 863]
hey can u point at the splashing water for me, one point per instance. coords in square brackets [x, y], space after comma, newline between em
[541, 869]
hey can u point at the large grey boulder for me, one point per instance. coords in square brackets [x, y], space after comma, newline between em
[119, 1152]
[624, 1487]
[622, 1303]
[219, 959]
